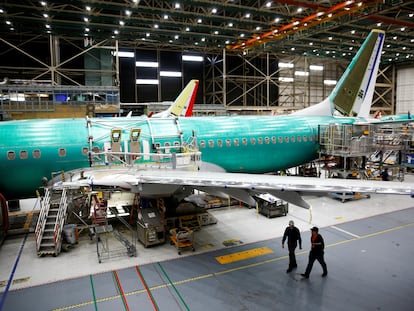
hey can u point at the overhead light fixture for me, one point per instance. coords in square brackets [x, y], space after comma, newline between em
[88, 8]
[187, 28]
[121, 23]
[329, 82]
[146, 81]
[286, 79]
[268, 4]
[247, 15]
[45, 15]
[156, 26]
[286, 65]
[192, 58]
[301, 73]
[177, 6]
[230, 24]
[316, 67]
[146, 64]
[165, 16]
[213, 10]
[43, 3]
[124, 54]
[86, 20]
[199, 21]
[128, 13]
[171, 74]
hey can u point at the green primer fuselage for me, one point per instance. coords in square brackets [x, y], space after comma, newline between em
[32, 149]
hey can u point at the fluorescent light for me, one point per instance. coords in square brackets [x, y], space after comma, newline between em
[146, 64]
[301, 73]
[193, 58]
[147, 81]
[175, 74]
[329, 82]
[124, 54]
[286, 65]
[316, 67]
[286, 79]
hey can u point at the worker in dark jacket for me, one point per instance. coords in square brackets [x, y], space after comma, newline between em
[292, 234]
[316, 253]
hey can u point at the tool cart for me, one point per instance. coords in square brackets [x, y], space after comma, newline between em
[182, 238]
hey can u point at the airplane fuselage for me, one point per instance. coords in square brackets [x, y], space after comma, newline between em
[33, 149]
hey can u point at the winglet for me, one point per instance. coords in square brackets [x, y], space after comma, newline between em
[354, 92]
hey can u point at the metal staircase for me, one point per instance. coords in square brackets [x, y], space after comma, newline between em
[50, 223]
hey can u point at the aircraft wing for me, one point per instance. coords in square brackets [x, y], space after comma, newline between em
[239, 186]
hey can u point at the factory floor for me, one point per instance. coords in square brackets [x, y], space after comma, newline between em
[238, 264]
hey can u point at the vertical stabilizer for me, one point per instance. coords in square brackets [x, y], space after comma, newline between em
[352, 95]
[183, 104]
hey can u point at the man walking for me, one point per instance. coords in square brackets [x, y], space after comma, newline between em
[293, 237]
[316, 253]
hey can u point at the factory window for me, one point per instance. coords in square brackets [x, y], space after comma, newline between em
[220, 143]
[280, 139]
[299, 139]
[236, 142]
[228, 142]
[267, 140]
[292, 139]
[273, 139]
[286, 139]
[211, 143]
[260, 141]
[36, 154]
[23, 155]
[85, 151]
[11, 155]
[244, 141]
[253, 141]
[202, 144]
[62, 152]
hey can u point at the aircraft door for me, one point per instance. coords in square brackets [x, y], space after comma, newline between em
[134, 145]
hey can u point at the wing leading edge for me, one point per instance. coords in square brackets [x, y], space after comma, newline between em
[240, 186]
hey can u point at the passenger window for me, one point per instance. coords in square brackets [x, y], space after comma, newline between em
[220, 143]
[305, 138]
[36, 154]
[299, 139]
[11, 155]
[62, 152]
[267, 140]
[236, 142]
[253, 141]
[23, 155]
[292, 139]
[244, 141]
[85, 151]
[286, 139]
[280, 139]
[273, 139]
[260, 141]
[228, 143]
[202, 144]
[211, 143]
[310, 138]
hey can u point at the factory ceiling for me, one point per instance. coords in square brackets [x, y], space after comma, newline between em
[324, 28]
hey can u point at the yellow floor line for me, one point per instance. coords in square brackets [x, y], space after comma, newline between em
[243, 255]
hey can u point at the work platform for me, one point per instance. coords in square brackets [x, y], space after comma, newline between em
[356, 235]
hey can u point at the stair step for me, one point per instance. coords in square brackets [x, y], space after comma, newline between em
[47, 245]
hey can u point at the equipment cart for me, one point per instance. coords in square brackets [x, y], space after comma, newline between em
[182, 238]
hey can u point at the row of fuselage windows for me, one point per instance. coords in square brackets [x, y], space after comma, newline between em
[36, 154]
[236, 142]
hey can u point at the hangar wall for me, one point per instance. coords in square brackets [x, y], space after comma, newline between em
[405, 90]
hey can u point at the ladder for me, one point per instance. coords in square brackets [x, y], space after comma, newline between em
[50, 223]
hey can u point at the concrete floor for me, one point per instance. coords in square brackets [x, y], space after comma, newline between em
[370, 246]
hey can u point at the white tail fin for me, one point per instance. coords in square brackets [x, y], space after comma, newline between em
[183, 104]
[352, 95]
